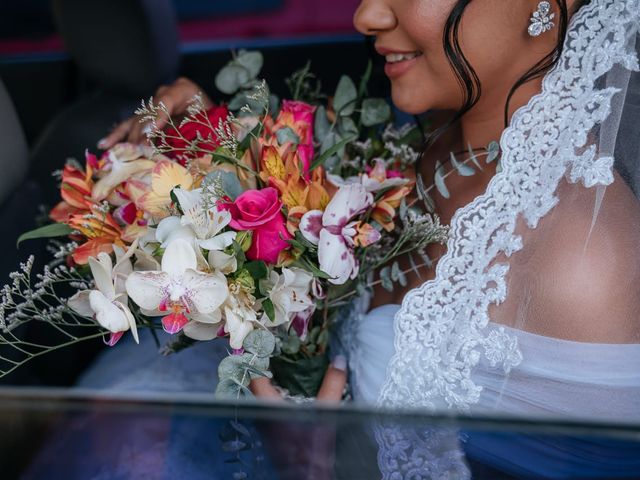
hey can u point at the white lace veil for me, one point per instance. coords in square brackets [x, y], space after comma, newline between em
[539, 291]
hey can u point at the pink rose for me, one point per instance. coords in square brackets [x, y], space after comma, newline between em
[302, 112]
[259, 212]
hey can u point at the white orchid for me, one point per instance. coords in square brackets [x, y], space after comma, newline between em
[239, 322]
[336, 234]
[237, 318]
[201, 226]
[107, 303]
[289, 294]
[373, 181]
[178, 288]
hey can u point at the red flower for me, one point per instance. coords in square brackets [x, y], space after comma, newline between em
[190, 132]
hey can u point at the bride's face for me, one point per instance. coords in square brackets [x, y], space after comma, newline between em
[492, 36]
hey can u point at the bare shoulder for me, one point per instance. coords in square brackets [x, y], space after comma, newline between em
[583, 261]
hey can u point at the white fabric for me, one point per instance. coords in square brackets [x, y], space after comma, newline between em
[555, 378]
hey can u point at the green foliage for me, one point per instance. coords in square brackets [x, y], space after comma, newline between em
[375, 111]
[286, 135]
[48, 231]
[240, 72]
[269, 309]
[260, 342]
[344, 100]
[229, 182]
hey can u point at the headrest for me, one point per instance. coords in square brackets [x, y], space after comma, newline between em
[14, 156]
[129, 46]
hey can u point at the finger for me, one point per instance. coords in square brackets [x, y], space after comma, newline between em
[169, 101]
[334, 381]
[263, 388]
[118, 134]
[138, 132]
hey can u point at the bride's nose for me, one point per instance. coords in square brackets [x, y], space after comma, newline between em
[373, 17]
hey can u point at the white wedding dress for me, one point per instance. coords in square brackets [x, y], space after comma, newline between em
[555, 377]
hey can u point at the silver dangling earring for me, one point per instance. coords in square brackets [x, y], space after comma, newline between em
[542, 20]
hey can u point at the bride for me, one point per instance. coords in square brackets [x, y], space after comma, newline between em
[533, 308]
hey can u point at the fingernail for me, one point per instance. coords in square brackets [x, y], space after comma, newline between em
[339, 363]
[102, 143]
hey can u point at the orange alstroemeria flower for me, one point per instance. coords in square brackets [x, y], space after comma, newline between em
[384, 211]
[75, 190]
[298, 194]
[101, 230]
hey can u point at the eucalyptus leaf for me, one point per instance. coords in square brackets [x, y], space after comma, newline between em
[375, 111]
[385, 279]
[233, 368]
[395, 271]
[254, 362]
[423, 195]
[229, 181]
[287, 135]
[463, 169]
[321, 124]
[231, 78]
[251, 60]
[493, 151]
[473, 157]
[233, 446]
[48, 231]
[439, 181]
[344, 100]
[347, 127]
[227, 388]
[260, 342]
[241, 429]
[403, 210]
[402, 279]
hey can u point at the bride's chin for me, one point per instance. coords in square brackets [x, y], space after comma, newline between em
[406, 100]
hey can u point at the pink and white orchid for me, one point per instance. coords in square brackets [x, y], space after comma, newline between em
[107, 303]
[337, 235]
[373, 180]
[178, 288]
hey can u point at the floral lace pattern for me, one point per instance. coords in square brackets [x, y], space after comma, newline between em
[440, 329]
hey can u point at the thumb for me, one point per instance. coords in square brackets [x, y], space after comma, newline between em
[334, 381]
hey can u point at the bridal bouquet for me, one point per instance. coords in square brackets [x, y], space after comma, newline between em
[254, 221]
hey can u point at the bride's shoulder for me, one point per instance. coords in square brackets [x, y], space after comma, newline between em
[586, 262]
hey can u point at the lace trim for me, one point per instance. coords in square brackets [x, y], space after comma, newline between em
[439, 329]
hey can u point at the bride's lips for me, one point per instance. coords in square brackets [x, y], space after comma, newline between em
[398, 61]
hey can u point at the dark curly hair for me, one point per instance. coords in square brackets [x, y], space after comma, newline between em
[467, 76]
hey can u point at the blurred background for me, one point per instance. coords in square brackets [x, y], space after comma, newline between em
[72, 69]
